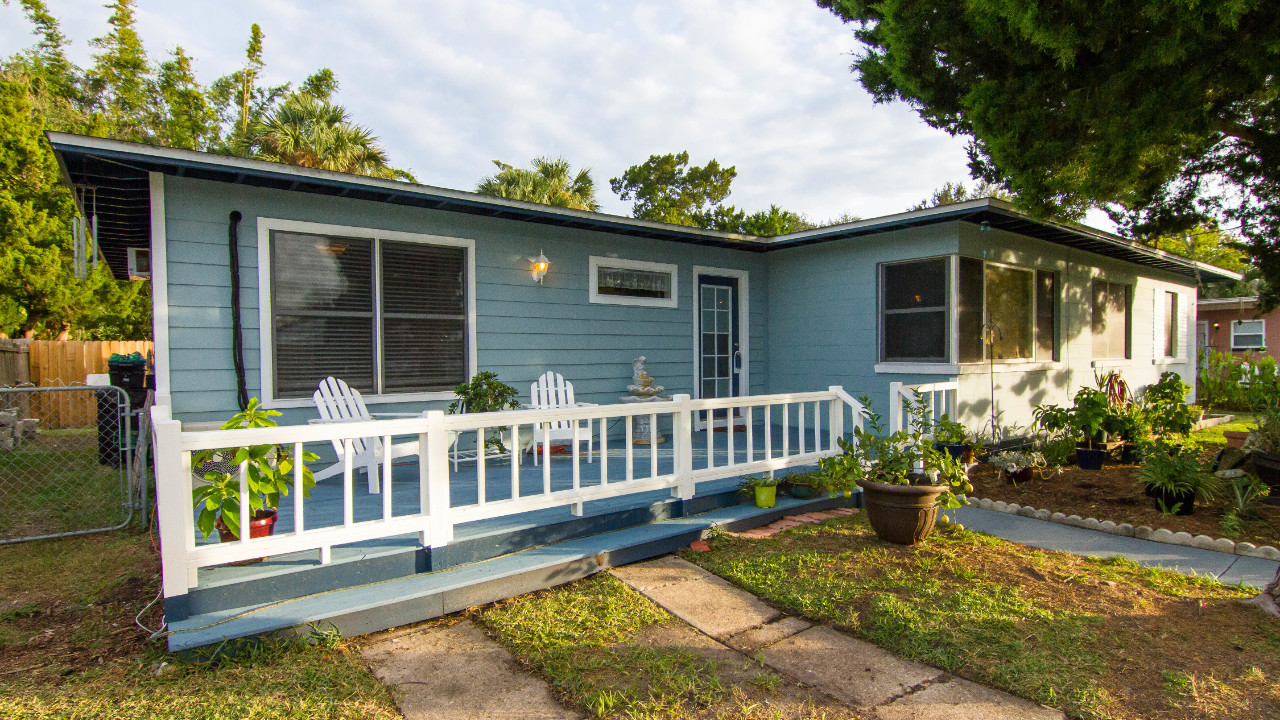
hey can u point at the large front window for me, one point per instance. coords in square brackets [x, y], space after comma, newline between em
[1006, 312]
[388, 316]
[914, 310]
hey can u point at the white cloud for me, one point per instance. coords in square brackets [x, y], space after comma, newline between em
[763, 85]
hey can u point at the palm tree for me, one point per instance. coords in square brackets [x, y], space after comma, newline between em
[314, 132]
[548, 181]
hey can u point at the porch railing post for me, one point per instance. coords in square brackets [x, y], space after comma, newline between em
[895, 407]
[173, 504]
[836, 424]
[433, 483]
[682, 444]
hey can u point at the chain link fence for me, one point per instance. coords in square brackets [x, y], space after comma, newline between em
[67, 461]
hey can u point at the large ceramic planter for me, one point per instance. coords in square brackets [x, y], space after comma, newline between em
[901, 514]
[1267, 467]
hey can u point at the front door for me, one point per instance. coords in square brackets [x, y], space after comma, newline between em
[719, 347]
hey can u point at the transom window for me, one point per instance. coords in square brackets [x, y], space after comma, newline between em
[388, 316]
[914, 310]
[632, 282]
[1111, 319]
[1248, 334]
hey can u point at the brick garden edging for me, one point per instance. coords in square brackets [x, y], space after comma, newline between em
[1142, 532]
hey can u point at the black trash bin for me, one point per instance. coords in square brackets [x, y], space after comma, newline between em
[128, 371]
[111, 427]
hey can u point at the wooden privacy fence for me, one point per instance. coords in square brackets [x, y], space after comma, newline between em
[57, 363]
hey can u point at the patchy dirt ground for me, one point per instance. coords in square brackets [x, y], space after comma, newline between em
[1115, 493]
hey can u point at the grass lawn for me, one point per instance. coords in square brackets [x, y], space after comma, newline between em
[69, 648]
[610, 651]
[1096, 638]
[55, 484]
[1243, 421]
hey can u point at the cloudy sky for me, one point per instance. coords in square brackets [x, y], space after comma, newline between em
[449, 85]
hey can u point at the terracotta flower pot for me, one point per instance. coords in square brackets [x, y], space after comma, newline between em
[1235, 438]
[901, 514]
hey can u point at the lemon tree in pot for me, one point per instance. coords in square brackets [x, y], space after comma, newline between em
[905, 479]
[270, 470]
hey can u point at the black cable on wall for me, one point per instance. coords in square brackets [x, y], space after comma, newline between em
[237, 344]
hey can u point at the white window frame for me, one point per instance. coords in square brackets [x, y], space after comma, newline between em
[1130, 322]
[265, 347]
[134, 273]
[1235, 324]
[596, 262]
[923, 367]
[1035, 298]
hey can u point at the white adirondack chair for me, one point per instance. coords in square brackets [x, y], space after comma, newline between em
[338, 402]
[553, 391]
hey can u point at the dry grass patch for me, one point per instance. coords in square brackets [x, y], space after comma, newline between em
[1097, 638]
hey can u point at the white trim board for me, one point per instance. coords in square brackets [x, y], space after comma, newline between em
[159, 288]
[744, 325]
[266, 225]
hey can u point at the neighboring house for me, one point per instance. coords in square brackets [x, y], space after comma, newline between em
[1234, 326]
[407, 290]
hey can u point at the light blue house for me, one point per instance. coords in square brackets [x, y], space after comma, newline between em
[406, 290]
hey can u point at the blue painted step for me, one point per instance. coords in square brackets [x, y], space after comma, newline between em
[378, 606]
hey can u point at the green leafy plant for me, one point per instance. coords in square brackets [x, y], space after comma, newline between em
[1092, 417]
[1013, 461]
[876, 455]
[269, 469]
[486, 393]
[1164, 403]
[1266, 436]
[1244, 494]
[1167, 508]
[1175, 469]
[949, 432]
[1246, 382]
[751, 482]
[1057, 449]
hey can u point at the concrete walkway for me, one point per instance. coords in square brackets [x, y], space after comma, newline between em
[1231, 569]
[856, 673]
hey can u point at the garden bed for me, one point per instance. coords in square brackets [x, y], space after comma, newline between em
[1099, 638]
[1115, 493]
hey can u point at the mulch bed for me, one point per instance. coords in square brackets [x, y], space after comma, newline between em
[1115, 493]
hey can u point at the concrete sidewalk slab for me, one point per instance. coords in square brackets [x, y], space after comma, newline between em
[458, 673]
[705, 601]
[1250, 571]
[850, 670]
[958, 699]
[756, 638]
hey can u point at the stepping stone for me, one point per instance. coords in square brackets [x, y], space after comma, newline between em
[959, 699]
[434, 671]
[849, 670]
[705, 601]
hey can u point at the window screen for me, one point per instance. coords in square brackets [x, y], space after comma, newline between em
[1012, 308]
[325, 321]
[913, 301]
[1110, 320]
[1248, 334]
[1010, 304]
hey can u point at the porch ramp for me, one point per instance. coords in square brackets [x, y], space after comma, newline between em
[381, 605]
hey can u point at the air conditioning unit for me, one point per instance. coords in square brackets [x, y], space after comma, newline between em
[139, 264]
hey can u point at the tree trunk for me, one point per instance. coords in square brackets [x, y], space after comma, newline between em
[1269, 598]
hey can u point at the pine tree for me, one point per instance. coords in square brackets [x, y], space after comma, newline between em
[120, 80]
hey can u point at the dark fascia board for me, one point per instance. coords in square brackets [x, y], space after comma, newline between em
[995, 212]
[173, 161]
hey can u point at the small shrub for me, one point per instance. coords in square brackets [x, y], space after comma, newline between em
[1175, 468]
[1244, 495]
[1249, 382]
[1266, 436]
[1165, 405]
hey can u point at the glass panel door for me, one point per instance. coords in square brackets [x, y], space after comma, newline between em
[719, 356]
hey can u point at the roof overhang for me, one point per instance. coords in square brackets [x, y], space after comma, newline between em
[117, 171]
[1228, 303]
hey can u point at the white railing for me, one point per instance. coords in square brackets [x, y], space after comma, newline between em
[809, 425]
[939, 398]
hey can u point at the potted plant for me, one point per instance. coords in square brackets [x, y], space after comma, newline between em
[764, 488]
[1091, 419]
[1131, 424]
[1264, 443]
[486, 393]
[951, 436]
[1175, 478]
[1018, 466]
[1165, 407]
[902, 504]
[270, 476]
[801, 486]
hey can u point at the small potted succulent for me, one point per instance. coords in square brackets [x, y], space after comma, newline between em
[764, 488]
[1019, 466]
[1175, 478]
[902, 504]
[269, 470]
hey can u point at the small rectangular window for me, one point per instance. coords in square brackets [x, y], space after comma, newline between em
[913, 311]
[139, 263]
[633, 282]
[1248, 334]
[1111, 320]
[1170, 324]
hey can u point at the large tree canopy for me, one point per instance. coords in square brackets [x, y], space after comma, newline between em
[1164, 112]
[550, 181]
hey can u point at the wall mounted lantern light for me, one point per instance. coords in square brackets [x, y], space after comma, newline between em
[538, 267]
